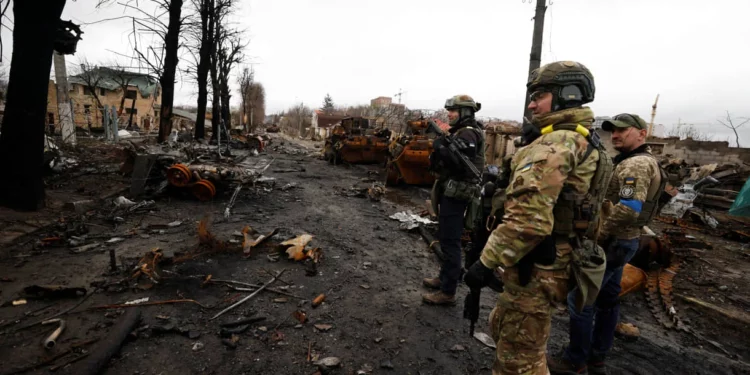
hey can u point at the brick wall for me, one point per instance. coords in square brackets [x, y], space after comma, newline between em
[705, 152]
[693, 152]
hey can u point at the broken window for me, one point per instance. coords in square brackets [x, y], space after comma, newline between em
[131, 94]
[134, 110]
[87, 91]
[101, 91]
[87, 108]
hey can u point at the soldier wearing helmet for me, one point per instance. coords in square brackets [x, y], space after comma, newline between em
[550, 209]
[455, 189]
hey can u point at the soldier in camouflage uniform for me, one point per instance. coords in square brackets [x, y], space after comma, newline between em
[532, 243]
[632, 200]
[453, 190]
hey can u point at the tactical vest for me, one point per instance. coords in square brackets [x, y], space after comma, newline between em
[479, 159]
[579, 213]
[651, 205]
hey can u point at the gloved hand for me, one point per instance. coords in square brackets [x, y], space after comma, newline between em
[478, 275]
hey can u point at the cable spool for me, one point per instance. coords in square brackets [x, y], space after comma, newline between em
[179, 175]
[204, 190]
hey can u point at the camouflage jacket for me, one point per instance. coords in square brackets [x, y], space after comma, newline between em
[539, 172]
[628, 191]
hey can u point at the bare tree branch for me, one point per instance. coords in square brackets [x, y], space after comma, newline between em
[729, 124]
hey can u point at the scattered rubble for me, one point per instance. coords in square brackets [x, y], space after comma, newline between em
[410, 220]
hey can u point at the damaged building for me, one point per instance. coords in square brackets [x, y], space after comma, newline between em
[129, 93]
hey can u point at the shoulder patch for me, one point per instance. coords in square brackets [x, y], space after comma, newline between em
[629, 181]
[526, 167]
[627, 191]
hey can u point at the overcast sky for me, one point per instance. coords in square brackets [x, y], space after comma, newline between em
[694, 53]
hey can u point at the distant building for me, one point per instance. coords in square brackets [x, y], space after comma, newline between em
[381, 101]
[182, 119]
[322, 122]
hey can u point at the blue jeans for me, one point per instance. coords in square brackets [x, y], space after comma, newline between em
[592, 330]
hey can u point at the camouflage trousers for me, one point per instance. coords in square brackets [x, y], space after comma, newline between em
[520, 322]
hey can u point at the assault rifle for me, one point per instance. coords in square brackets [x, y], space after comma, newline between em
[460, 156]
[493, 179]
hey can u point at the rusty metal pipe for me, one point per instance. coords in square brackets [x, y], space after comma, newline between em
[51, 340]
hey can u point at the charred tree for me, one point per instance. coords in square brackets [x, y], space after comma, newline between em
[215, 88]
[22, 139]
[245, 80]
[229, 54]
[206, 11]
[167, 80]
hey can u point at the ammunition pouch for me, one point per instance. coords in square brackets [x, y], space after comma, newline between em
[473, 215]
[588, 264]
[469, 192]
[461, 190]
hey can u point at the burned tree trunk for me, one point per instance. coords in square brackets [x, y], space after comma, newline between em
[215, 104]
[207, 8]
[225, 114]
[172, 43]
[215, 87]
[22, 139]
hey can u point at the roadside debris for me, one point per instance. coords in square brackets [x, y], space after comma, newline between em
[245, 321]
[318, 300]
[736, 315]
[300, 315]
[328, 363]
[52, 292]
[231, 342]
[141, 302]
[102, 353]
[409, 220]
[296, 246]
[432, 242]
[376, 191]
[409, 155]
[245, 299]
[252, 238]
[386, 364]
[356, 141]
[485, 339]
[51, 340]
[627, 331]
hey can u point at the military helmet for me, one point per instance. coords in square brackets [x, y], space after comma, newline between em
[462, 101]
[562, 74]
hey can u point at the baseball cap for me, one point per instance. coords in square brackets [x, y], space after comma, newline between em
[624, 120]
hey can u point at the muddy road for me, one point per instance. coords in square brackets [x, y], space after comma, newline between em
[372, 319]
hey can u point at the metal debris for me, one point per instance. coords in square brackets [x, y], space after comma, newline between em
[51, 340]
[410, 220]
[485, 339]
[245, 299]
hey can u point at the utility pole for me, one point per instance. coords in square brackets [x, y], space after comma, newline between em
[64, 109]
[535, 57]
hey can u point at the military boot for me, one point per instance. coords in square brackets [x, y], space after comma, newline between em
[561, 366]
[431, 282]
[439, 298]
